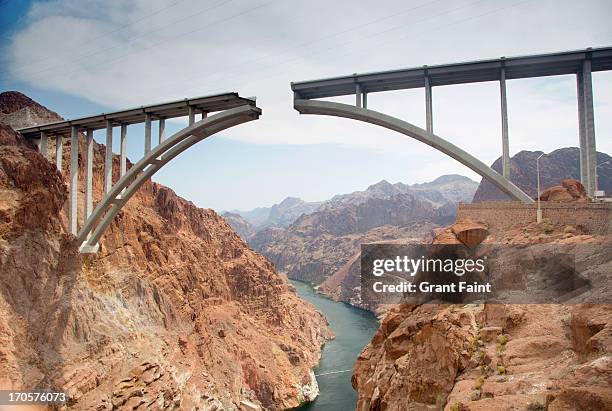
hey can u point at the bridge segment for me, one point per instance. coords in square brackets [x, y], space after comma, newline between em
[217, 112]
[580, 63]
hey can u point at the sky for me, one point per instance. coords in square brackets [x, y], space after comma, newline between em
[83, 57]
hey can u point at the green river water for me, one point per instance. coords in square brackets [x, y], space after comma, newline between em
[353, 328]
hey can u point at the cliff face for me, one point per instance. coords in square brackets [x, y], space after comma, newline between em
[241, 226]
[175, 311]
[555, 166]
[495, 356]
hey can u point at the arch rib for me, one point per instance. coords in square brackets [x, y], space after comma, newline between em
[374, 117]
[110, 205]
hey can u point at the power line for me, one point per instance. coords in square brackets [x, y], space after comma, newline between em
[250, 81]
[326, 37]
[37, 75]
[107, 33]
[437, 15]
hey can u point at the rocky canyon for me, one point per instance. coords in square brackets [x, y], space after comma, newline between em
[174, 312]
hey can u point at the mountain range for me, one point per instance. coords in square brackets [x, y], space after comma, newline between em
[554, 166]
[318, 244]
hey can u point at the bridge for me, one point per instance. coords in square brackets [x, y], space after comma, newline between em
[582, 63]
[217, 113]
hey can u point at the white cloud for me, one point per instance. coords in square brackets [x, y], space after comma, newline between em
[145, 51]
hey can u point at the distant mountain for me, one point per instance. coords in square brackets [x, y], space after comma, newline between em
[319, 243]
[554, 167]
[279, 215]
[242, 227]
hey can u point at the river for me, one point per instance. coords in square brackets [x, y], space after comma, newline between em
[353, 328]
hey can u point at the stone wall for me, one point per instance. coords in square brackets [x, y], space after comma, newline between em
[594, 218]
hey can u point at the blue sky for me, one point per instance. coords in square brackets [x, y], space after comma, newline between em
[85, 57]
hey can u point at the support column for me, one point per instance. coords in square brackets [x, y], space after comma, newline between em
[589, 128]
[59, 150]
[428, 106]
[504, 120]
[89, 174]
[74, 179]
[584, 169]
[358, 101]
[108, 158]
[162, 130]
[123, 151]
[364, 98]
[191, 115]
[147, 132]
[43, 144]
[204, 115]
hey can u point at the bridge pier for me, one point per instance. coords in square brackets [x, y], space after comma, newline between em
[147, 132]
[586, 124]
[89, 174]
[162, 130]
[358, 98]
[108, 158]
[59, 147]
[123, 151]
[428, 106]
[43, 144]
[191, 115]
[74, 179]
[504, 121]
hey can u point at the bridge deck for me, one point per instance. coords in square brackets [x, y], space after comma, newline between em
[179, 108]
[553, 64]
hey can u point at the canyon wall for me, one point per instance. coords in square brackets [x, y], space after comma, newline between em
[462, 357]
[174, 312]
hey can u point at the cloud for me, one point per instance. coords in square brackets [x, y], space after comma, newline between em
[142, 52]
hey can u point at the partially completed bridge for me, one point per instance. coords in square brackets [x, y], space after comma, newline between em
[581, 63]
[217, 113]
[223, 111]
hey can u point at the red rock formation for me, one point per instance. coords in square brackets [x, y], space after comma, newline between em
[569, 190]
[174, 311]
[493, 356]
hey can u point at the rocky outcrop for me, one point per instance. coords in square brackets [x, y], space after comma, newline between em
[555, 166]
[242, 227]
[494, 356]
[569, 190]
[175, 311]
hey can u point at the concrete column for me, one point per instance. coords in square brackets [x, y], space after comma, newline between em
[191, 115]
[358, 101]
[204, 115]
[43, 144]
[147, 131]
[365, 100]
[108, 158]
[59, 150]
[504, 119]
[428, 106]
[74, 179]
[123, 151]
[89, 174]
[589, 128]
[162, 130]
[584, 169]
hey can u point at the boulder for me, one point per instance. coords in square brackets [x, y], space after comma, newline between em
[569, 190]
[470, 233]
